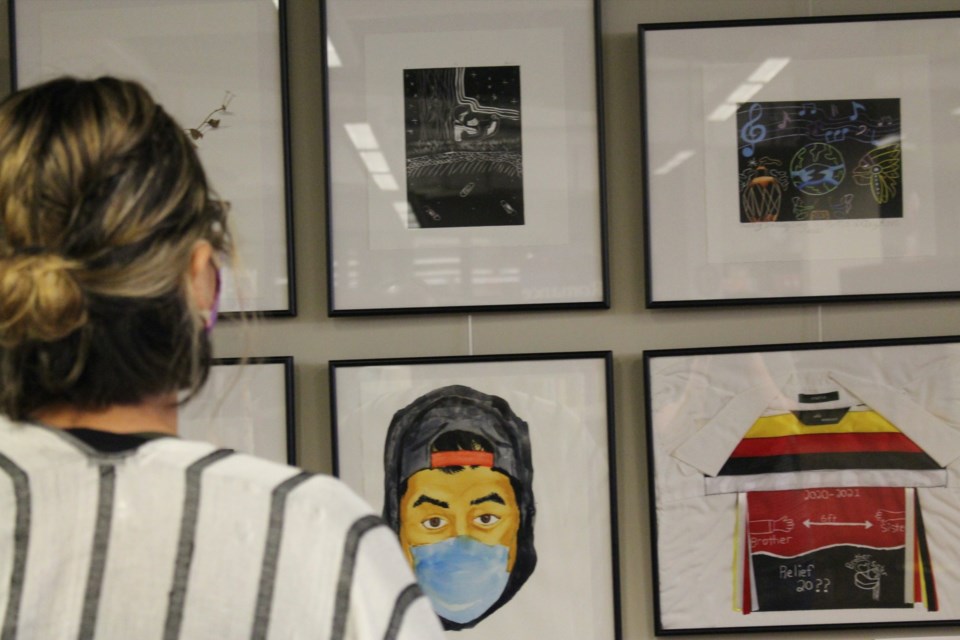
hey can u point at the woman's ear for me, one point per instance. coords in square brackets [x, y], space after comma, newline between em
[202, 277]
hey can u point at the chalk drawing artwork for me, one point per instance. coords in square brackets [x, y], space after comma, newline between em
[819, 160]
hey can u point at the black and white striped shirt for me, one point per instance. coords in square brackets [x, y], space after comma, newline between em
[177, 539]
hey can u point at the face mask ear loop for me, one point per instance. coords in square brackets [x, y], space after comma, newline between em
[210, 317]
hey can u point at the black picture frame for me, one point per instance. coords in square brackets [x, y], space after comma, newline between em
[873, 221]
[739, 500]
[382, 258]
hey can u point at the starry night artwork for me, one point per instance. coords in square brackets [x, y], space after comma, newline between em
[821, 160]
[464, 157]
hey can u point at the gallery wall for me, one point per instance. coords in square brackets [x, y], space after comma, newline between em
[627, 328]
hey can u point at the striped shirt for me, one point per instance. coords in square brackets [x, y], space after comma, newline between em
[178, 539]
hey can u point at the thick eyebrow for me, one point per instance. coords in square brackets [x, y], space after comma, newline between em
[425, 498]
[490, 497]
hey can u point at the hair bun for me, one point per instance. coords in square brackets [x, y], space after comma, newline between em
[40, 299]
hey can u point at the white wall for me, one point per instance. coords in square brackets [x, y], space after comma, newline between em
[627, 328]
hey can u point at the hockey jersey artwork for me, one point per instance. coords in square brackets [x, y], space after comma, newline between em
[821, 476]
[798, 542]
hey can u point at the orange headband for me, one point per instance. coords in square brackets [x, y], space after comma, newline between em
[461, 459]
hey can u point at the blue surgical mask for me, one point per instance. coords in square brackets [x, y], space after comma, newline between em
[462, 577]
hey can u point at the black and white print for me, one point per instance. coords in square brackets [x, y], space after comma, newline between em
[463, 147]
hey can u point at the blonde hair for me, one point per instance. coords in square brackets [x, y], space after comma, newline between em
[102, 201]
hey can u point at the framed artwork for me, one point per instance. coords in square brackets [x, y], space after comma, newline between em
[219, 68]
[805, 486]
[246, 405]
[801, 160]
[464, 156]
[497, 473]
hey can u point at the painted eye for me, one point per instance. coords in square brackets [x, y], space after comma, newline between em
[487, 520]
[434, 523]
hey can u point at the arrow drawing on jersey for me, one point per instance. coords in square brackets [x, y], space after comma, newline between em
[865, 524]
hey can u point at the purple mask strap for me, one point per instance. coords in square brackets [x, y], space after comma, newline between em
[212, 318]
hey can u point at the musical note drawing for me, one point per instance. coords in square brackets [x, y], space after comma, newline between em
[865, 133]
[835, 135]
[753, 132]
[808, 107]
[857, 108]
[785, 122]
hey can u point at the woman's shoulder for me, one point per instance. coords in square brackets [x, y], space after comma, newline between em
[245, 474]
[36, 449]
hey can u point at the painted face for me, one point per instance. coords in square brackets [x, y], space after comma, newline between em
[477, 502]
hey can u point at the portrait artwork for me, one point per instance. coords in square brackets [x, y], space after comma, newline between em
[459, 493]
[494, 473]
